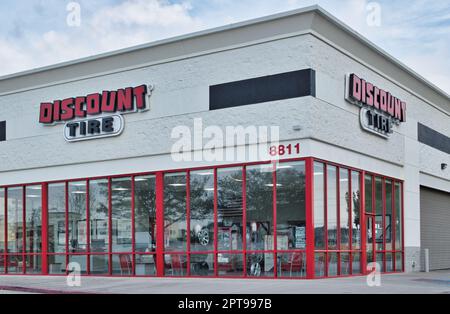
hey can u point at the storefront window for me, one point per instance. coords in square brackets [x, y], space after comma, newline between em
[175, 224]
[33, 219]
[319, 206]
[368, 196]
[2, 226]
[292, 265]
[99, 264]
[15, 220]
[345, 264]
[77, 217]
[57, 218]
[379, 232]
[80, 260]
[230, 265]
[291, 207]
[145, 214]
[356, 211]
[320, 265]
[230, 213]
[332, 207]
[332, 264]
[202, 214]
[98, 218]
[356, 263]
[33, 264]
[398, 217]
[145, 225]
[100, 211]
[344, 199]
[121, 215]
[202, 265]
[260, 264]
[260, 210]
[175, 265]
[122, 264]
[388, 218]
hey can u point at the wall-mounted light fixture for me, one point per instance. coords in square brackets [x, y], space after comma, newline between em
[444, 166]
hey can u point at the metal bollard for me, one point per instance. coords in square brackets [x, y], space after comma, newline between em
[427, 260]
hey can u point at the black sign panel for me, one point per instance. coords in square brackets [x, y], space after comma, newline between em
[263, 89]
[2, 131]
[434, 139]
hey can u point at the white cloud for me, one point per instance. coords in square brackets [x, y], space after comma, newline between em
[14, 58]
[129, 23]
[416, 32]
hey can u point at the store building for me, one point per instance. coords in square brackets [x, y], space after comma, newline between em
[359, 174]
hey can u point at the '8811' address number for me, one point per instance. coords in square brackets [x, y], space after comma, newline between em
[284, 150]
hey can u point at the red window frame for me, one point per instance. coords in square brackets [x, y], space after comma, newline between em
[309, 252]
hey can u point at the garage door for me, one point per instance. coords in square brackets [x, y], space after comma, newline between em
[435, 226]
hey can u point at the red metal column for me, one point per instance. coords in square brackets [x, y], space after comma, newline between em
[6, 231]
[88, 230]
[393, 226]
[350, 221]
[188, 222]
[160, 224]
[325, 201]
[216, 226]
[383, 197]
[274, 204]
[66, 193]
[133, 226]
[44, 228]
[110, 226]
[403, 224]
[338, 215]
[244, 217]
[309, 190]
[363, 223]
[24, 229]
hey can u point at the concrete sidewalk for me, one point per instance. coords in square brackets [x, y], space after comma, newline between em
[417, 283]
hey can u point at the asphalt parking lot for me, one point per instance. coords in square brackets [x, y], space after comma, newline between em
[417, 283]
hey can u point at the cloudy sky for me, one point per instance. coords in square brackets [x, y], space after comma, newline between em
[35, 33]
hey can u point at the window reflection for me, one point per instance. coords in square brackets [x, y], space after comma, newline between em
[398, 217]
[175, 225]
[57, 218]
[98, 217]
[230, 212]
[356, 213]
[145, 214]
[332, 207]
[260, 264]
[230, 265]
[368, 196]
[260, 209]
[291, 208]
[77, 217]
[2, 226]
[15, 220]
[33, 264]
[344, 201]
[292, 265]
[388, 217]
[202, 213]
[202, 265]
[145, 225]
[319, 206]
[121, 215]
[33, 219]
